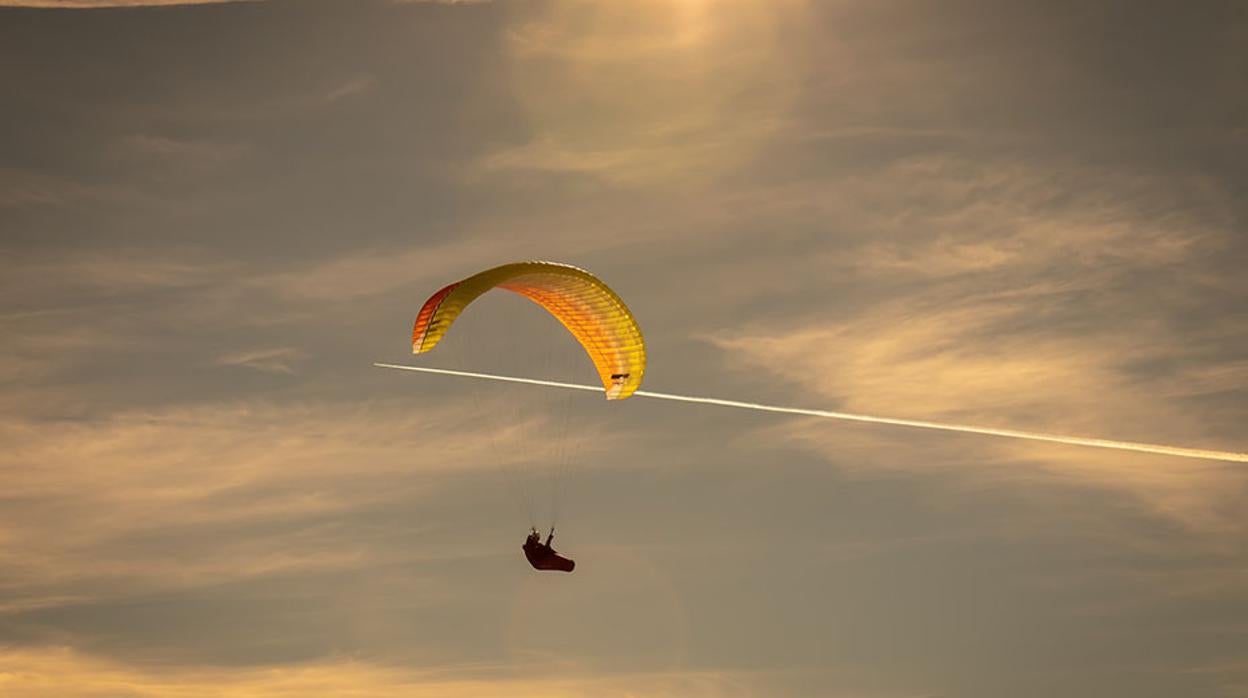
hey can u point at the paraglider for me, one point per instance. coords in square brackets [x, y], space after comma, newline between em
[542, 556]
[591, 311]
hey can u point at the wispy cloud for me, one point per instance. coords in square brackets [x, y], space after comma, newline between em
[100, 4]
[190, 152]
[26, 189]
[26, 673]
[579, 72]
[368, 273]
[92, 501]
[443, 2]
[1009, 311]
[79, 287]
[356, 85]
[277, 360]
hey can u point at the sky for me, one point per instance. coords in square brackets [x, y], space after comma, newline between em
[214, 217]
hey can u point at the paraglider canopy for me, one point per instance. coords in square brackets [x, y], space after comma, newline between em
[588, 308]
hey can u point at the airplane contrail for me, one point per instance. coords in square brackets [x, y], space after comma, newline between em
[1158, 449]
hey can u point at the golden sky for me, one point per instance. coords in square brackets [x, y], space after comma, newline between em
[215, 216]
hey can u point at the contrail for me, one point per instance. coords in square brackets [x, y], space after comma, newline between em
[1159, 449]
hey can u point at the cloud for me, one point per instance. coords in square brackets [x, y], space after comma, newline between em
[182, 151]
[1007, 310]
[69, 311]
[121, 270]
[101, 4]
[442, 2]
[41, 343]
[354, 86]
[649, 93]
[90, 504]
[575, 233]
[277, 360]
[25, 189]
[30, 672]
[367, 273]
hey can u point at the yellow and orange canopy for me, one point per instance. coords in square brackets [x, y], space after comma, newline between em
[591, 311]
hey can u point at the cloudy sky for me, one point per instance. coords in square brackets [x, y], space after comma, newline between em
[214, 217]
